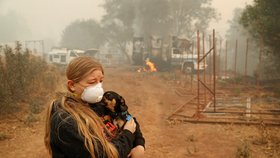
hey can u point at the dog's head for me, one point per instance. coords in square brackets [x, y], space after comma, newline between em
[114, 102]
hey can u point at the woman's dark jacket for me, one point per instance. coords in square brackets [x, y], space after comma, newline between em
[66, 142]
[103, 111]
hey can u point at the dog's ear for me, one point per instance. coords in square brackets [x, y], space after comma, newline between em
[124, 108]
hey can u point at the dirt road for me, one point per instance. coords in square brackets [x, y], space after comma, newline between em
[151, 99]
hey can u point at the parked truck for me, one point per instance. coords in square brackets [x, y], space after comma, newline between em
[167, 53]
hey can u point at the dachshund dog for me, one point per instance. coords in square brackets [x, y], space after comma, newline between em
[116, 109]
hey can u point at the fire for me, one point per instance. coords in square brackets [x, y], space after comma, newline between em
[150, 67]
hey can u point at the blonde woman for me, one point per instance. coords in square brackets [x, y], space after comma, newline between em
[73, 130]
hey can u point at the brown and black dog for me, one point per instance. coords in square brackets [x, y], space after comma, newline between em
[116, 109]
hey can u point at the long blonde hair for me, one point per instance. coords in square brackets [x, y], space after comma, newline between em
[90, 126]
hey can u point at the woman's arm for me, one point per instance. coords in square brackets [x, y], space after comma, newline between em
[124, 143]
[138, 144]
[139, 139]
[125, 139]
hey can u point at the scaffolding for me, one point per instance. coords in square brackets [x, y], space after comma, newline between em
[207, 104]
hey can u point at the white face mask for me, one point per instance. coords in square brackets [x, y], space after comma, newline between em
[93, 94]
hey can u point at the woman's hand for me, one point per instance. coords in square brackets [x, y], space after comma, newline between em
[130, 125]
[137, 152]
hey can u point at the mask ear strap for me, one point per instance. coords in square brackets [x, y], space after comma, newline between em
[83, 87]
[71, 94]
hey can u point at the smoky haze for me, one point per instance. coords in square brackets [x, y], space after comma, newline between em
[46, 19]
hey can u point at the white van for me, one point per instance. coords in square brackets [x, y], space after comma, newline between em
[62, 56]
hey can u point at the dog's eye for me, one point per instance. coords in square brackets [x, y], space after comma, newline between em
[109, 96]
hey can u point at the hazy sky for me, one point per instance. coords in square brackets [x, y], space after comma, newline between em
[47, 18]
[226, 8]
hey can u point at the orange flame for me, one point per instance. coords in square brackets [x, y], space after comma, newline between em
[150, 67]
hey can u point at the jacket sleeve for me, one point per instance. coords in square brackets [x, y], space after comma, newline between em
[123, 143]
[139, 139]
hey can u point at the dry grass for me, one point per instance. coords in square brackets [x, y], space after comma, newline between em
[3, 136]
[243, 151]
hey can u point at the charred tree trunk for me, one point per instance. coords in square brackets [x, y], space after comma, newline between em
[122, 47]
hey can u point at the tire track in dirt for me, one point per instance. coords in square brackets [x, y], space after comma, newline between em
[153, 121]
